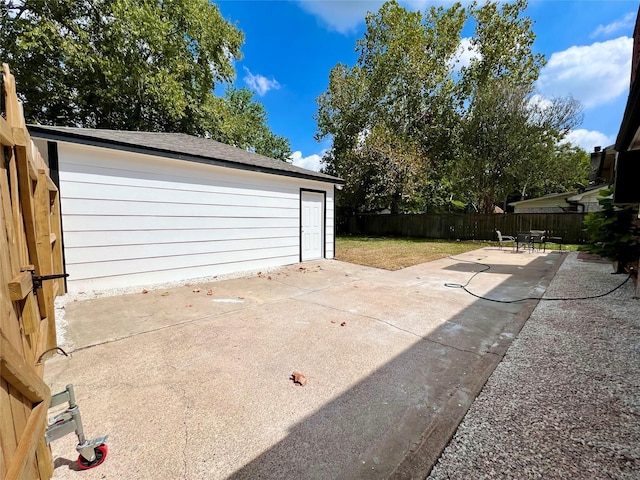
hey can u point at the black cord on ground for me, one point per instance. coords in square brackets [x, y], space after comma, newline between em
[488, 267]
[51, 350]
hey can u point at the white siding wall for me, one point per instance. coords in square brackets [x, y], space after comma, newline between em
[131, 219]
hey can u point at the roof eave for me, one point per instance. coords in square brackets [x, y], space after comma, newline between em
[630, 120]
[73, 137]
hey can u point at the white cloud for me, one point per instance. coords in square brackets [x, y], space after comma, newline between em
[594, 74]
[540, 102]
[344, 16]
[341, 15]
[606, 30]
[587, 139]
[312, 162]
[465, 53]
[259, 83]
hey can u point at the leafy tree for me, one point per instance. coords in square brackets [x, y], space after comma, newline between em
[509, 135]
[390, 115]
[510, 143]
[503, 41]
[491, 146]
[243, 122]
[125, 64]
[411, 132]
[565, 167]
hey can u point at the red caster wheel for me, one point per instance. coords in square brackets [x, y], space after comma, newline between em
[101, 455]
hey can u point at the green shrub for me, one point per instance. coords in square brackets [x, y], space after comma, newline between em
[612, 232]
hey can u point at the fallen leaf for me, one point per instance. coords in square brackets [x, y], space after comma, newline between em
[145, 291]
[209, 292]
[165, 294]
[343, 324]
[299, 378]
[196, 290]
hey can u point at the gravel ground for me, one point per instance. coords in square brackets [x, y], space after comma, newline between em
[565, 400]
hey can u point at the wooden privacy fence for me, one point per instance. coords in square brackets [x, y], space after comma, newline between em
[29, 242]
[464, 226]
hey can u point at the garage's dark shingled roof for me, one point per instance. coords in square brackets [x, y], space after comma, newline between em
[180, 146]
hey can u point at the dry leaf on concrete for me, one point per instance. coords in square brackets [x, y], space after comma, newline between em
[299, 378]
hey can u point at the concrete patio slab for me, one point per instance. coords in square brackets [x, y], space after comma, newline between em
[192, 388]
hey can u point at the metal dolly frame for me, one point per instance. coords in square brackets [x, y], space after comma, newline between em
[92, 452]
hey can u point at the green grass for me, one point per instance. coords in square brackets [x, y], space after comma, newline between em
[397, 253]
[392, 253]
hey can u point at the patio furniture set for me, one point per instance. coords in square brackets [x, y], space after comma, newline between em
[529, 240]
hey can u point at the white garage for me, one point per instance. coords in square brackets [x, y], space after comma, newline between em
[141, 208]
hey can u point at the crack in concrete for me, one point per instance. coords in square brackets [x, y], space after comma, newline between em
[461, 350]
[398, 328]
[204, 317]
[293, 296]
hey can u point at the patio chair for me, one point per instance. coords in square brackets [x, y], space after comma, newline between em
[537, 236]
[523, 239]
[556, 240]
[504, 238]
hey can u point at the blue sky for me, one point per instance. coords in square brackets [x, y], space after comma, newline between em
[290, 47]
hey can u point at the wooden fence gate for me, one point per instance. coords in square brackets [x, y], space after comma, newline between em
[30, 229]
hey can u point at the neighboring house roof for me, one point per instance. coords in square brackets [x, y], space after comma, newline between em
[587, 196]
[552, 196]
[178, 146]
[590, 195]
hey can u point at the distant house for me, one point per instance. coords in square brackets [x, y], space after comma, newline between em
[552, 203]
[140, 208]
[587, 201]
[583, 200]
[572, 201]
